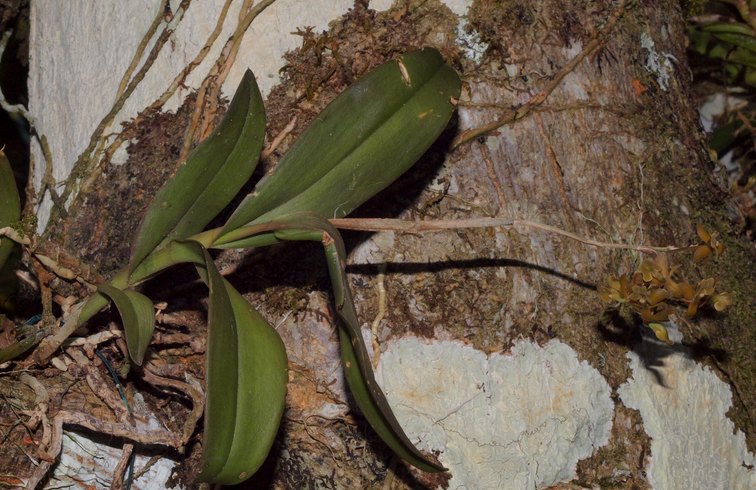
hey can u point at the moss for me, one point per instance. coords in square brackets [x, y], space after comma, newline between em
[509, 25]
[693, 7]
[103, 228]
[621, 463]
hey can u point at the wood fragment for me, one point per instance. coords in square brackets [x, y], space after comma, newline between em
[120, 469]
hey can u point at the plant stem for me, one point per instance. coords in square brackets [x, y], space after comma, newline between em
[407, 226]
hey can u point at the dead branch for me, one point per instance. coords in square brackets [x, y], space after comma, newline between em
[120, 469]
[194, 394]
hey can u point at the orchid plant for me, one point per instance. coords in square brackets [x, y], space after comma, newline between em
[364, 140]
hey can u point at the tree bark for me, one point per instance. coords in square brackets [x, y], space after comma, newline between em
[598, 137]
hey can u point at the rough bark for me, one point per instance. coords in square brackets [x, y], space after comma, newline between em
[613, 153]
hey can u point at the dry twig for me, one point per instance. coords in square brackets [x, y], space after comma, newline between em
[268, 150]
[120, 469]
[202, 119]
[86, 166]
[194, 394]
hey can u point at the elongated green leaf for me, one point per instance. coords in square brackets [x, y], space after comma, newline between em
[10, 205]
[211, 176]
[171, 254]
[174, 253]
[246, 377]
[364, 140]
[742, 56]
[744, 41]
[138, 318]
[221, 375]
[729, 28]
[357, 367]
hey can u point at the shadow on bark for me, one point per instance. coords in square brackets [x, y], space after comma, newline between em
[631, 333]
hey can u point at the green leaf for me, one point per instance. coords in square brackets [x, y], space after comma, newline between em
[729, 28]
[246, 375]
[138, 318]
[724, 136]
[700, 40]
[363, 141]
[173, 253]
[744, 41]
[357, 367]
[212, 175]
[10, 205]
[743, 57]
[750, 76]
[719, 51]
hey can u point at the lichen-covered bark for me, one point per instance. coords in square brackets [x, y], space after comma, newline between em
[614, 153]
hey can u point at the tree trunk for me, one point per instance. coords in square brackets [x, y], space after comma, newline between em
[492, 344]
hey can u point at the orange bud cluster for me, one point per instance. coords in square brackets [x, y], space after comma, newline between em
[709, 244]
[653, 290]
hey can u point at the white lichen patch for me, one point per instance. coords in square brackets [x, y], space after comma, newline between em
[468, 39]
[694, 444]
[521, 420]
[659, 65]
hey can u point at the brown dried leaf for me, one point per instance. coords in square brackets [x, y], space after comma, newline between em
[647, 269]
[660, 313]
[702, 233]
[660, 331]
[705, 288]
[674, 288]
[721, 301]
[687, 290]
[656, 296]
[662, 267]
[700, 254]
[692, 309]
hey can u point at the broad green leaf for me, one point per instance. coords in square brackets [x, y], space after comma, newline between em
[743, 56]
[700, 40]
[10, 205]
[246, 368]
[364, 140]
[138, 318]
[211, 176]
[357, 367]
[27, 336]
[750, 76]
[729, 28]
[724, 135]
[221, 375]
[744, 41]
[719, 51]
[98, 300]
[246, 376]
